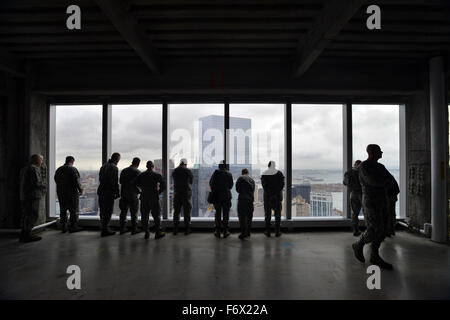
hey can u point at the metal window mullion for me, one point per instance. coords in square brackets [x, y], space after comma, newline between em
[226, 129]
[165, 159]
[288, 158]
[106, 131]
[347, 127]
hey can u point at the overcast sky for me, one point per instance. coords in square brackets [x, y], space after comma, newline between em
[317, 132]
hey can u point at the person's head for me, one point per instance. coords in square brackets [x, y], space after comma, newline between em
[222, 165]
[183, 162]
[150, 165]
[115, 157]
[271, 165]
[36, 159]
[244, 172]
[357, 163]
[374, 152]
[136, 161]
[70, 160]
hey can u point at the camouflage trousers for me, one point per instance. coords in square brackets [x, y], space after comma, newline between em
[355, 204]
[106, 206]
[269, 205]
[245, 214]
[70, 204]
[374, 210]
[185, 203]
[153, 206]
[130, 201]
[30, 214]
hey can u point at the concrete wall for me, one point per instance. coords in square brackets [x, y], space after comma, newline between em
[419, 169]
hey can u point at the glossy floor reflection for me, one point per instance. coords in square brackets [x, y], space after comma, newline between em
[304, 265]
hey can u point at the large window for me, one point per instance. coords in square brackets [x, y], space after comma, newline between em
[378, 124]
[78, 133]
[136, 131]
[256, 136]
[317, 161]
[196, 132]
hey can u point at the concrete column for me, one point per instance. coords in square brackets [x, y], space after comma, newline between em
[439, 145]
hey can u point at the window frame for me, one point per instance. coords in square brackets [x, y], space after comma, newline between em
[287, 102]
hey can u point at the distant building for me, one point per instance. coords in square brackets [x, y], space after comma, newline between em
[239, 157]
[321, 204]
[302, 190]
[302, 208]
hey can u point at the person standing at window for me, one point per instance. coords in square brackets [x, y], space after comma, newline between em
[351, 180]
[32, 190]
[182, 198]
[129, 196]
[152, 185]
[221, 183]
[108, 191]
[273, 183]
[68, 190]
[245, 186]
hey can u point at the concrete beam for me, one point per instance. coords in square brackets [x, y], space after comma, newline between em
[9, 64]
[331, 21]
[137, 38]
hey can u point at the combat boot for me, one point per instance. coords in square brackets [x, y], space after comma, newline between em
[277, 231]
[187, 230]
[159, 234]
[63, 228]
[226, 233]
[175, 230]
[267, 232]
[377, 260]
[217, 233]
[147, 235]
[107, 232]
[242, 236]
[358, 249]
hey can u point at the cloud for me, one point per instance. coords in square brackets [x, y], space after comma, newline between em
[317, 131]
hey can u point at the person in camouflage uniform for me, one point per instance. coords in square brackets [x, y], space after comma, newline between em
[129, 196]
[108, 191]
[182, 198]
[245, 186]
[68, 190]
[152, 185]
[272, 181]
[32, 190]
[351, 180]
[374, 180]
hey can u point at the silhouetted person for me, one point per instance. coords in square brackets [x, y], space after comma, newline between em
[245, 186]
[182, 198]
[152, 185]
[374, 180]
[68, 190]
[221, 183]
[108, 191]
[273, 183]
[129, 196]
[32, 189]
[351, 180]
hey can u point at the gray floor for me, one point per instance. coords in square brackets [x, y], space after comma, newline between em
[305, 265]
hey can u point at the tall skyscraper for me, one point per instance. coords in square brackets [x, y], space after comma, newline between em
[211, 152]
